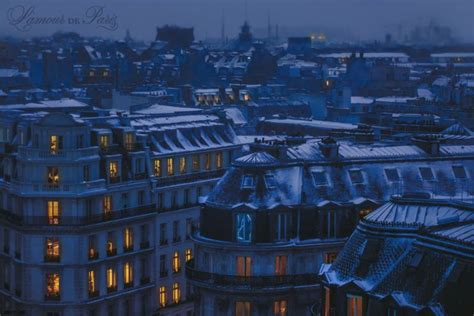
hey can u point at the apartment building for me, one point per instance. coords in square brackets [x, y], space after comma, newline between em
[97, 212]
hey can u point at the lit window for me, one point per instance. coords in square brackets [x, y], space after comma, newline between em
[127, 239]
[270, 182]
[162, 296]
[110, 245]
[107, 204]
[55, 143]
[248, 182]
[392, 175]
[319, 178]
[52, 285]
[459, 172]
[111, 279]
[196, 163]
[207, 161]
[219, 160]
[280, 308]
[128, 141]
[426, 173]
[127, 273]
[176, 293]
[188, 253]
[356, 176]
[92, 282]
[157, 167]
[329, 257]
[327, 301]
[242, 309]
[52, 249]
[354, 305]
[176, 262]
[113, 169]
[364, 212]
[103, 141]
[244, 227]
[53, 212]
[170, 166]
[182, 165]
[243, 266]
[280, 265]
[53, 176]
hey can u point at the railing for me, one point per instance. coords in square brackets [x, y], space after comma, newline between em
[77, 220]
[69, 154]
[258, 281]
[206, 175]
[72, 188]
[52, 258]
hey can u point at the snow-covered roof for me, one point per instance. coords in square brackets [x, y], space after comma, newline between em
[236, 116]
[328, 125]
[361, 100]
[452, 55]
[160, 109]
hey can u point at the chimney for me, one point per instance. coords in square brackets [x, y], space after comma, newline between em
[429, 143]
[329, 148]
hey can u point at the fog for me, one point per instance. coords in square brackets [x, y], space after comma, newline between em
[339, 19]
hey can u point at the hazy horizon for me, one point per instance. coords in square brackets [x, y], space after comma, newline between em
[355, 19]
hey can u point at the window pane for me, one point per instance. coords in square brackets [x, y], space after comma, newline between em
[319, 178]
[426, 173]
[356, 176]
[392, 175]
[244, 227]
[459, 172]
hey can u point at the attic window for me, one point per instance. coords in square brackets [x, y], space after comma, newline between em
[270, 182]
[356, 176]
[459, 172]
[426, 173]
[392, 175]
[415, 260]
[319, 177]
[248, 182]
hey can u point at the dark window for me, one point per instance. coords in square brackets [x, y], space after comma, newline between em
[86, 173]
[426, 173]
[356, 176]
[270, 181]
[248, 181]
[319, 178]
[392, 175]
[459, 172]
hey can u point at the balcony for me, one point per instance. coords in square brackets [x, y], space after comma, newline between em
[61, 187]
[128, 249]
[54, 296]
[179, 179]
[76, 220]
[65, 154]
[140, 176]
[163, 274]
[163, 242]
[52, 258]
[93, 255]
[176, 239]
[144, 245]
[111, 252]
[112, 289]
[94, 293]
[144, 280]
[113, 180]
[128, 285]
[257, 281]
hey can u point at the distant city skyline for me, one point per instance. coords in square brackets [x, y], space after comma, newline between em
[355, 20]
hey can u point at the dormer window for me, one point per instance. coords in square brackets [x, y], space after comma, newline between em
[248, 182]
[356, 176]
[128, 141]
[459, 172]
[319, 178]
[243, 227]
[270, 182]
[426, 174]
[392, 175]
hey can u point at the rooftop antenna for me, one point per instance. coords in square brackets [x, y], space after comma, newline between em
[246, 16]
[269, 27]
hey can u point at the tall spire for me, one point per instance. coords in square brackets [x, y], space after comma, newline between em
[223, 27]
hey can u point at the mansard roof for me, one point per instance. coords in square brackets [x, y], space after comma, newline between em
[423, 269]
[257, 159]
[59, 119]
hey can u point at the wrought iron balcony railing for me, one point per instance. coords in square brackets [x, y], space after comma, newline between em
[257, 281]
[77, 220]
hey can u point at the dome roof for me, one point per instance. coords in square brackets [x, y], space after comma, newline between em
[257, 159]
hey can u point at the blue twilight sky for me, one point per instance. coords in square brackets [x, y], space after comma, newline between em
[341, 19]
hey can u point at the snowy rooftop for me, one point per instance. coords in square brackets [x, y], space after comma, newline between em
[361, 100]
[159, 109]
[330, 125]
